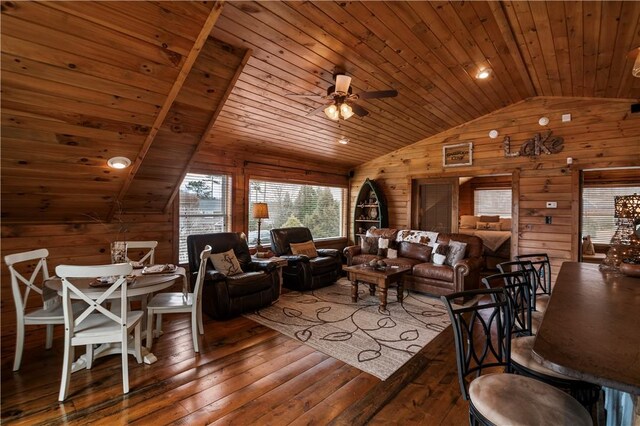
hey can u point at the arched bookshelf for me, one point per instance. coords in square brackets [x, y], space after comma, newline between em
[370, 209]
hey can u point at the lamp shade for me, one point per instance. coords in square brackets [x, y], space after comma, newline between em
[627, 206]
[260, 211]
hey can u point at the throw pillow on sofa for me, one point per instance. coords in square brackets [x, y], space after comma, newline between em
[369, 245]
[455, 253]
[226, 263]
[307, 248]
[383, 246]
[439, 253]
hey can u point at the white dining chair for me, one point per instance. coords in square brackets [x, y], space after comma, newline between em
[148, 258]
[173, 303]
[96, 324]
[49, 313]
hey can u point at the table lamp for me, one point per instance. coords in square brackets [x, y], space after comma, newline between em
[260, 211]
[624, 243]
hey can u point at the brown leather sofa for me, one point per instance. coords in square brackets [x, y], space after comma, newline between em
[227, 296]
[425, 276]
[302, 272]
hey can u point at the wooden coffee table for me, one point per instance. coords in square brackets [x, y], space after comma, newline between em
[374, 277]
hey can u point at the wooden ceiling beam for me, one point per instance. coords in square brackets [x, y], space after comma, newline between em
[212, 122]
[509, 38]
[190, 59]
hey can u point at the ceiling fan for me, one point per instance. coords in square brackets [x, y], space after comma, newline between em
[341, 100]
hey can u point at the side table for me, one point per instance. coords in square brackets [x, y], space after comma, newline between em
[280, 263]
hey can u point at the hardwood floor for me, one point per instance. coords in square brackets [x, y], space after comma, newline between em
[245, 374]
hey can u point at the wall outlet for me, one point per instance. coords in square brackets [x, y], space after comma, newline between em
[552, 205]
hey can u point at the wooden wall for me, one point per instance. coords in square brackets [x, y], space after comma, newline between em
[602, 134]
[88, 242]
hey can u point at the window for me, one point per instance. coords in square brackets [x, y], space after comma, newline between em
[598, 210]
[204, 207]
[492, 202]
[319, 208]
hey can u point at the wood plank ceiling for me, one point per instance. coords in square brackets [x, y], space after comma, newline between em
[85, 81]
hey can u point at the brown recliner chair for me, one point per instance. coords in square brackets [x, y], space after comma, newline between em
[227, 296]
[302, 272]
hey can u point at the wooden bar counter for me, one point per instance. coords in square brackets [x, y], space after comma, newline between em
[590, 330]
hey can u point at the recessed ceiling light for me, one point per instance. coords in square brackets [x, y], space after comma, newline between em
[543, 121]
[119, 162]
[343, 140]
[483, 73]
[493, 134]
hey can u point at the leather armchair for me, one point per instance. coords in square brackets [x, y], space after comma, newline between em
[227, 296]
[302, 272]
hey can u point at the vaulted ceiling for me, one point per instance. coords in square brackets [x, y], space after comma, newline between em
[160, 82]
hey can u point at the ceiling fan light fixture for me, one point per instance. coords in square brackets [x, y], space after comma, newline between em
[118, 162]
[483, 73]
[332, 112]
[346, 111]
[342, 83]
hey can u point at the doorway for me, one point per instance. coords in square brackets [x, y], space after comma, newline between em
[436, 205]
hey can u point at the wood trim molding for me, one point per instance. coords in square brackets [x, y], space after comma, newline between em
[212, 122]
[576, 197]
[187, 64]
[515, 212]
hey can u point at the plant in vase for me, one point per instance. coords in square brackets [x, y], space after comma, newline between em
[117, 243]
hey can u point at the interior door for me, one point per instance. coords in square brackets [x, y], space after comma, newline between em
[435, 205]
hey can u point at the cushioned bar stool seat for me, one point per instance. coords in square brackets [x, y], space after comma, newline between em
[541, 302]
[536, 320]
[509, 399]
[522, 356]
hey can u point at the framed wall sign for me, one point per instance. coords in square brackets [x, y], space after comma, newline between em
[457, 155]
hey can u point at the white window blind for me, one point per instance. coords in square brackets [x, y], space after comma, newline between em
[204, 207]
[492, 202]
[318, 208]
[598, 210]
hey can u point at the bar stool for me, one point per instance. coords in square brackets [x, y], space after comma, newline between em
[482, 335]
[517, 288]
[537, 309]
[542, 266]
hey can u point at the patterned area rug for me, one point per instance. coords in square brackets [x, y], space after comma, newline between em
[361, 334]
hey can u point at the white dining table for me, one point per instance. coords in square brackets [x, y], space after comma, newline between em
[142, 285]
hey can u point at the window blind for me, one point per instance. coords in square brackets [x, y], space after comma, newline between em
[204, 207]
[492, 202]
[318, 208]
[598, 209]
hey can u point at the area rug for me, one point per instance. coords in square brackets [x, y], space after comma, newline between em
[361, 334]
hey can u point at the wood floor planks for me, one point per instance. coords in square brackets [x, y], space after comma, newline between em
[245, 374]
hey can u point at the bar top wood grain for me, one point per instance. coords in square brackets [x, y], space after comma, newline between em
[591, 328]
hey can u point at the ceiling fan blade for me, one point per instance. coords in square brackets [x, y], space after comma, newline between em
[378, 94]
[359, 111]
[317, 110]
[310, 96]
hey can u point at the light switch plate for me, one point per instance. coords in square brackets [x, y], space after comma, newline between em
[552, 205]
[566, 118]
